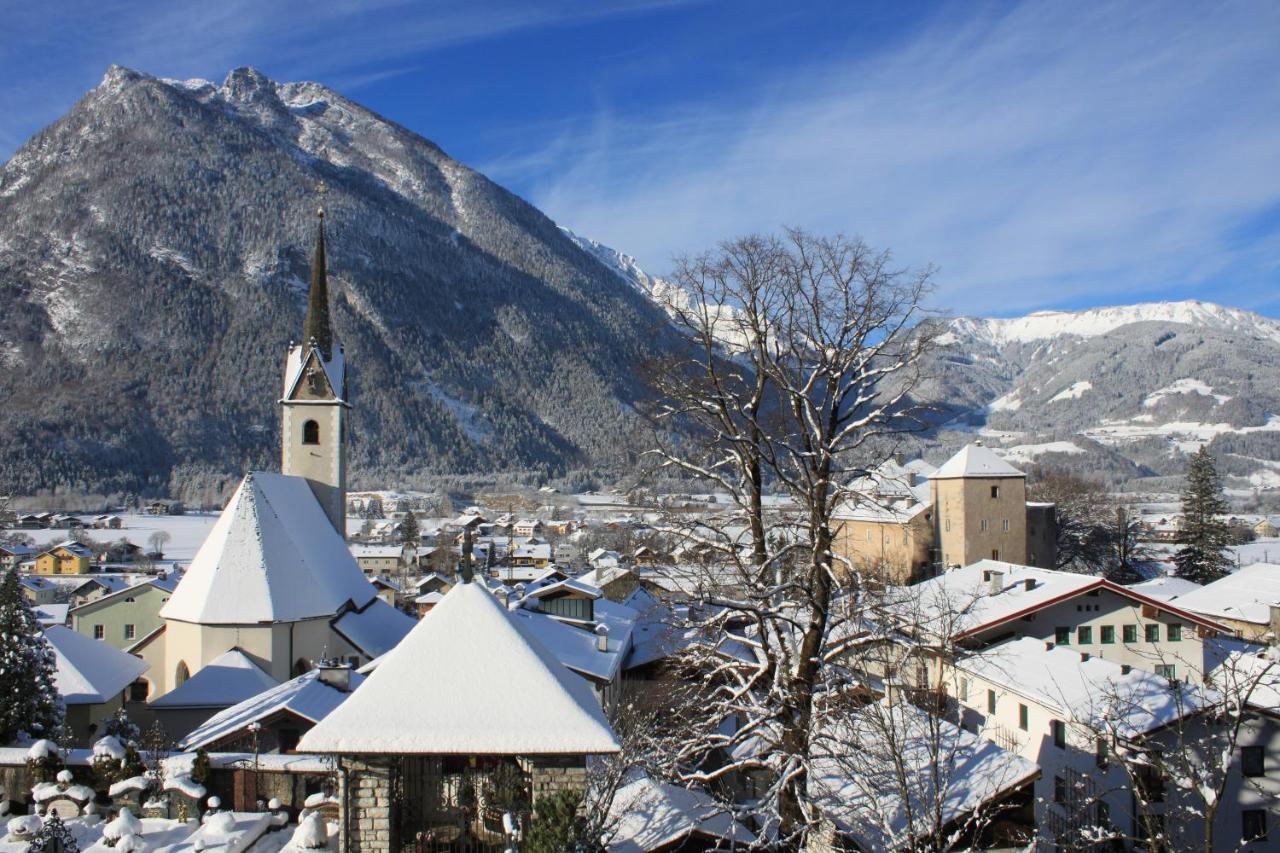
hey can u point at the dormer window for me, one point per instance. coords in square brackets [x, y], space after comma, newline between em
[311, 433]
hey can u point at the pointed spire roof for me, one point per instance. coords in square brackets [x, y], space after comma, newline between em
[975, 461]
[317, 327]
[469, 679]
[272, 556]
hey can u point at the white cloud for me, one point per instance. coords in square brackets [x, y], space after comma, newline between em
[1046, 155]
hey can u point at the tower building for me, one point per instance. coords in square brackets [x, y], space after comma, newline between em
[313, 406]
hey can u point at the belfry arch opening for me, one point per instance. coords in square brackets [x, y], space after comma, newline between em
[311, 433]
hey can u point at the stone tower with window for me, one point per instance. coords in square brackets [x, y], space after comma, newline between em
[980, 509]
[313, 407]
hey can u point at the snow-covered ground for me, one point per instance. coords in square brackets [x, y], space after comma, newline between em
[227, 831]
[186, 532]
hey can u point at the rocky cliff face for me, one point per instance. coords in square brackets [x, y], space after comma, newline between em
[153, 264]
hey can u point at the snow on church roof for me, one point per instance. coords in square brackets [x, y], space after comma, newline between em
[469, 679]
[229, 678]
[334, 368]
[90, 671]
[273, 556]
[975, 461]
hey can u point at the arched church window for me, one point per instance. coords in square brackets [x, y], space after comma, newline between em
[311, 433]
[181, 674]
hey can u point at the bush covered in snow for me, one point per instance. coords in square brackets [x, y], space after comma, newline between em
[311, 833]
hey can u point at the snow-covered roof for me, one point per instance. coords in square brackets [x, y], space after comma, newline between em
[90, 671]
[1165, 588]
[1246, 594]
[51, 614]
[974, 460]
[572, 646]
[649, 815]
[229, 678]
[376, 629]
[306, 696]
[860, 788]
[1085, 691]
[273, 556]
[961, 600]
[1241, 669]
[469, 679]
[384, 551]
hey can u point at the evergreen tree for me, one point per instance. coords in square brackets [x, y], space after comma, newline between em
[556, 827]
[1205, 534]
[29, 701]
[409, 531]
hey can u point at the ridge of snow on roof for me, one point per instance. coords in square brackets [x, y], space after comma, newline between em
[1091, 691]
[468, 679]
[1246, 594]
[227, 679]
[648, 815]
[90, 671]
[376, 629]
[974, 460]
[272, 556]
[307, 696]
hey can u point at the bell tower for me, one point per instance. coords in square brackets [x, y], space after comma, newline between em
[313, 407]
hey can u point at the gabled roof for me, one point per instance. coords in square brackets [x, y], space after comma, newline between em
[1091, 692]
[962, 602]
[89, 671]
[1246, 595]
[97, 603]
[375, 629]
[300, 356]
[272, 556]
[469, 679]
[975, 461]
[305, 696]
[229, 678]
[650, 815]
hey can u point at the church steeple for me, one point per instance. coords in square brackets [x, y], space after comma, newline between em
[317, 327]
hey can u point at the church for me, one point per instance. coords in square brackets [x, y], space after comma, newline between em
[274, 587]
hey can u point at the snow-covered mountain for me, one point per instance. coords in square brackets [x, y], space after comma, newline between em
[1123, 392]
[1092, 322]
[154, 253]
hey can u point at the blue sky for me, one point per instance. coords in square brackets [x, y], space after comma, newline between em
[1040, 155]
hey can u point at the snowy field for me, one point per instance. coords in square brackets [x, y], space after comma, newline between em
[187, 532]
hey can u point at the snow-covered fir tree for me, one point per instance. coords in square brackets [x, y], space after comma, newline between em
[1205, 534]
[30, 700]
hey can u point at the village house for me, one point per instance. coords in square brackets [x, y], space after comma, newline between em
[39, 590]
[107, 522]
[12, 556]
[65, 558]
[904, 523]
[526, 528]
[470, 755]
[92, 678]
[990, 601]
[98, 586]
[123, 618]
[379, 559]
[1247, 601]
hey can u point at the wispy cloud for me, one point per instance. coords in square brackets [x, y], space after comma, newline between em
[1040, 155]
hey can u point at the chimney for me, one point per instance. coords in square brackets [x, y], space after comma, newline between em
[1275, 624]
[1125, 669]
[1029, 584]
[997, 582]
[336, 675]
[1084, 656]
[602, 637]
[1048, 646]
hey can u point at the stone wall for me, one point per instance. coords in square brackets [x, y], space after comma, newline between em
[365, 791]
[551, 774]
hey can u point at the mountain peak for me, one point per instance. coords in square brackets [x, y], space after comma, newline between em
[248, 84]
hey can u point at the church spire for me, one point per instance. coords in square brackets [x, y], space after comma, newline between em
[317, 327]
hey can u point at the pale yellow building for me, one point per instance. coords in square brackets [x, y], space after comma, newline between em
[903, 523]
